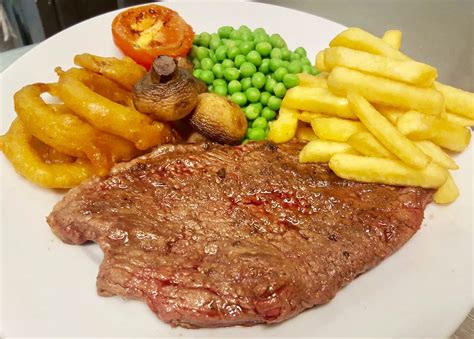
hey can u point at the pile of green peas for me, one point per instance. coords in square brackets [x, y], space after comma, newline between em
[252, 68]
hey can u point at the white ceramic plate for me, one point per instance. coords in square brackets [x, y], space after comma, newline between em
[49, 287]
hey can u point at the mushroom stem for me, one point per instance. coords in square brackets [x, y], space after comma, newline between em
[164, 69]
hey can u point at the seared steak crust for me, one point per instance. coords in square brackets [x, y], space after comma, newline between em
[216, 236]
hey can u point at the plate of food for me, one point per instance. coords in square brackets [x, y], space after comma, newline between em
[203, 170]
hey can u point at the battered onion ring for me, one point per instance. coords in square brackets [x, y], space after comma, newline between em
[125, 72]
[100, 84]
[68, 134]
[49, 154]
[16, 147]
[111, 117]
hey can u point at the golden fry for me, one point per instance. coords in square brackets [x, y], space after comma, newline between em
[459, 119]
[366, 144]
[317, 100]
[361, 40]
[437, 154]
[283, 129]
[307, 117]
[457, 101]
[308, 80]
[418, 126]
[447, 193]
[323, 150]
[387, 171]
[386, 133]
[393, 38]
[320, 62]
[66, 133]
[407, 71]
[111, 117]
[305, 133]
[391, 113]
[336, 129]
[385, 91]
[101, 85]
[123, 71]
[16, 147]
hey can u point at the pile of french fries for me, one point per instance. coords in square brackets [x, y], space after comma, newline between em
[375, 115]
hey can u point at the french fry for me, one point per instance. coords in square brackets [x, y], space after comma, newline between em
[386, 133]
[393, 38]
[391, 113]
[317, 100]
[323, 150]
[457, 101]
[305, 133]
[459, 119]
[336, 129]
[366, 144]
[437, 154]
[309, 116]
[447, 193]
[284, 128]
[320, 62]
[407, 71]
[309, 80]
[385, 91]
[418, 126]
[387, 171]
[361, 40]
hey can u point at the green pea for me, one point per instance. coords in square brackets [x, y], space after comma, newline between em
[235, 35]
[214, 43]
[305, 61]
[207, 76]
[239, 98]
[246, 83]
[233, 52]
[231, 73]
[275, 64]
[245, 141]
[221, 53]
[295, 67]
[294, 56]
[268, 114]
[218, 71]
[274, 103]
[252, 111]
[300, 51]
[219, 82]
[279, 90]
[215, 36]
[264, 48]
[204, 39]
[239, 60]
[285, 63]
[202, 52]
[277, 41]
[253, 94]
[256, 134]
[255, 58]
[260, 122]
[206, 64]
[270, 84]
[258, 80]
[227, 63]
[196, 63]
[246, 36]
[234, 86]
[197, 73]
[247, 69]
[315, 71]
[210, 88]
[276, 53]
[196, 40]
[193, 51]
[244, 28]
[261, 38]
[264, 96]
[264, 66]
[290, 80]
[285, 53]
[230, 43]
[280, 73]
[258, 31]
[224, 32]
[212, 56]
[246, 47]
[221, 90]
[308, 69]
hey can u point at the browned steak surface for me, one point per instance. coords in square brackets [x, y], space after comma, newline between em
[217, 235]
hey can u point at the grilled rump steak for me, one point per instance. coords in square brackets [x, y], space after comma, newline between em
[216, 235]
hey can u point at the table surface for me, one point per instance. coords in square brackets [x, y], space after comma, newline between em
[438, 32]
